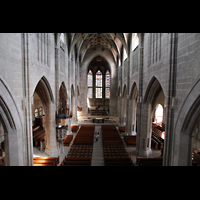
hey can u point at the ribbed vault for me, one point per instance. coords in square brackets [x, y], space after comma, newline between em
[111, 41]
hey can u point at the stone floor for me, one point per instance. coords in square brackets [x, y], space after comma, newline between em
[97, 154]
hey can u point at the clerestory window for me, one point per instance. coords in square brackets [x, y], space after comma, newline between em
[99, 84]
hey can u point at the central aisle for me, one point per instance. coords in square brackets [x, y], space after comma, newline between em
[97, 155]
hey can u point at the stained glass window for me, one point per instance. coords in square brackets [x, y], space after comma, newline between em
[90, 79]
[36, 112]
[99, 79]
[90, 84]
[62, 37]
[107, 84]
[107, 79]
[62, 40]
[98, 84]
[90, 92]
[107, 94]
[98, 92]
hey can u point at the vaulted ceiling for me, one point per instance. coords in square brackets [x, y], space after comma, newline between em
[112, 42]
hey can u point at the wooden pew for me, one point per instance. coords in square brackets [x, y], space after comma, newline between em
[130, 140]
[196, 158]
[54, 159]
[85, 135]
[122, 128]
[43, 165]
[80, 153]
[113, 148]
[118, 162]
[3, 161]
[74, 128]
[143, 161]
[46, 162]
[156, 141]
[76, 161]
[68, 140]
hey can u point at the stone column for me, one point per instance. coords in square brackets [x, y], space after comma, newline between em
[129, 116]
[144, 139]
[57, 75]
[51, 147]
[70, 65]
[28, 147]
[171, 97]
[75, 95]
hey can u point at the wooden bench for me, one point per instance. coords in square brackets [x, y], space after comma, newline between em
[80, 153]
[54, 159]
[122, 128]
[85, 135]
[68, 140]
[130, 140]
[156, 141]
[46, 162]
[43, 165]
[196, 158]
[74, 128]
[76, 162]
[113, 148]
[3, 161]
[75, 159]
[118, 162]
[143, 161]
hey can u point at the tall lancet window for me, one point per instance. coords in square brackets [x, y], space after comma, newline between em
[107, 84]
[90, 84]
[62, 41]
[98, 84]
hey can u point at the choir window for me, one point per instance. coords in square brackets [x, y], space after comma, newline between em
[36, 112]
[107, 84]
[135, 41]
[159, 113]
[62, 41]
[90, 84]
[98, 84]
[125, 54]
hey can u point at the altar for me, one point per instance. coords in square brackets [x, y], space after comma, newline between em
[98, 120]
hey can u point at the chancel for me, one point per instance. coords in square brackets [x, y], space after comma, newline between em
[139, 93]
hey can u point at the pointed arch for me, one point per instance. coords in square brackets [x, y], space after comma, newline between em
[153, 88]
[72, 91]
[119, 91]
[187, 116]
[12, 124]
[134, 91]
[44, 90]
[99, 60]
[63, 95]
[78, 92]
[124, 91]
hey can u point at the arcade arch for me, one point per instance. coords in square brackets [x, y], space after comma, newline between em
[11, 126]
[44, 134]
[154, 95]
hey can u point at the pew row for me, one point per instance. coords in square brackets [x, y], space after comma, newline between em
[130, 140]
[45, 161]
[144, 161]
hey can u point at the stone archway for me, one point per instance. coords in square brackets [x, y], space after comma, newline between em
[187, 118]
[153, 91]
[12, 125]
[45, 93]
